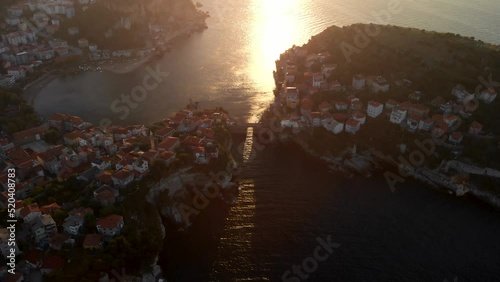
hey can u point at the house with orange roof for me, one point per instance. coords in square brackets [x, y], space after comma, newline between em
[169, 144]
[110, 225]
[105, 178]
[439, 129]
[200, 157]
[106, 195]
[352, 126]
[30, 135]
[456, 137]
[374, 109]
[488, 95]
[398, 115]
[413, 121]
[380, 84]
[164, 132]
[30, 212]
[168, 157]
[359, 117]
[92, 241]
[450, 120]
[49, 209]
[315, 119]
[122, 177]
[391, 104]
[191, 141]
[341, 106]
[418, 110]
[475, 128]
[425, 124]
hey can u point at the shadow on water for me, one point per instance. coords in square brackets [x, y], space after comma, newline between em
[287, 200]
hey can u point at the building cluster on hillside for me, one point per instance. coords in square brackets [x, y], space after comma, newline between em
[296, 107]
[22, 49]
[106, 159]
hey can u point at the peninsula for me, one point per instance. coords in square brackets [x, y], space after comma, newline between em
[422, 101]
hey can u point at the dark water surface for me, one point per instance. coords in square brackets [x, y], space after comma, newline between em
[288, 200]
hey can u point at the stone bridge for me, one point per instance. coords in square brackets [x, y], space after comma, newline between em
[241, 128]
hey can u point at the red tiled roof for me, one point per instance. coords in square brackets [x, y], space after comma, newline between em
[122, 173]
[110, 221]
[191, 140]
[164, 131]
[29, 209]
[167, 155]
[374, 104]
[92, 240]
[168, 143]
[352, 122]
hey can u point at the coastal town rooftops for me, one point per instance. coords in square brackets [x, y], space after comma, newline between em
[352, 122]
[392, 102]
[167, 155]
[168, 143]
[30, 208]
[75, 135]
[122, 174]
[92, 240]
[359, 116]
[191, 140]
[110, 222]
[48, 209]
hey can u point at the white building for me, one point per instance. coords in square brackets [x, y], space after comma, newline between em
[358, 82]
[17, 38]
[110, 225]
[380, 84]
[332, 125]
[374, 109]
[292, 97]
[488, 95]
[7, 81]
[318, 80]
[360, 117]
[352, 126]
[398, 115]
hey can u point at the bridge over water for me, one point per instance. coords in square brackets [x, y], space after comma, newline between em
[242, 128]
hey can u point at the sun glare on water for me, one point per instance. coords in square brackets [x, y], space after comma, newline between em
[275, 28]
